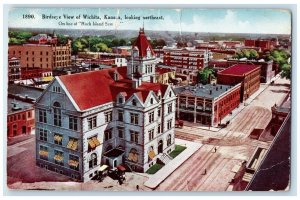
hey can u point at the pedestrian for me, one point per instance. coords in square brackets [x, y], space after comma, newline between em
[204, 173]
[137, 187]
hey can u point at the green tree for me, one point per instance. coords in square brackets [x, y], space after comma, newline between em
[204, 74]
[286, 71]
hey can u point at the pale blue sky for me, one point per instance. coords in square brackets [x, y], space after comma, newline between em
[195, 20]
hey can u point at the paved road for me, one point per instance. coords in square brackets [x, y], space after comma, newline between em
[233, 146]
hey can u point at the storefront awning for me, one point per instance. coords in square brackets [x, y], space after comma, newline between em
[72, 144]
[58, 158]
[43, 153]
[73, 163]
[57, 138]
[151, 154]
[93, 142]
[133, 157]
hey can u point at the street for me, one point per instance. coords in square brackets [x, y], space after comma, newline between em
[207, 170]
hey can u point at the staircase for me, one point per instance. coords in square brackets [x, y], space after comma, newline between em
[165, 158]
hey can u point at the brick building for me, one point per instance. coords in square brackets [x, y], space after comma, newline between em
[165, 75]
[247, 74]
[42, 55]
[20, 112]
[187, 61]
[111, 117]
[20, 118]
[14, 69]
[36, 73]
[263, 44]
[207, 104]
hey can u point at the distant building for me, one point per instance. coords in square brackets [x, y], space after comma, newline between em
[14, 69]
[20, 112]
[42, 55]
[38, 74]
[43, 39]
[263, 44]
[122, 50]
[222, 54]
[207, 104]
[165, 75]
[20, 118]
[247, 74]
[187, 61]
[113, 117]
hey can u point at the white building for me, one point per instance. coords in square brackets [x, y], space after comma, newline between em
[110, 117]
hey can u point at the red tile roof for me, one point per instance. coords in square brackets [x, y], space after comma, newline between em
[142, 44]
[90, 89]
[239, 69]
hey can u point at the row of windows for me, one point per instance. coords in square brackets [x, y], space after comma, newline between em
[21, 116]
[72, 143]
[41, 59]
[73, 161]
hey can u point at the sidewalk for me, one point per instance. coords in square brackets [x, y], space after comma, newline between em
[164, 172]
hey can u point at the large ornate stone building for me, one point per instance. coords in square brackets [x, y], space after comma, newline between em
[114, 116]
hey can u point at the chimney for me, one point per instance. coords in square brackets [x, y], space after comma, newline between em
[210, 92]
[221, 87]
[217, 88]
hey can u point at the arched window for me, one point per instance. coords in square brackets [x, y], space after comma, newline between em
[134, 102]
[133, 155]
[57, 114]
[170, 94]
[93, 161]
[169, 140]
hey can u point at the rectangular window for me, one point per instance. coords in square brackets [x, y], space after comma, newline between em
[42, 116]
[74, 162]
[57, 116]
[73, 123]
[57, 138]
[92, 122]
[108, 116]
[169, 108]
[134, 118]
[107, 134]
[158, 112]
[151, 134]
[151, 117]
[29, 114]
[120, 116]
[43, 134]
[134, 136]
[158, 128]
[121, 132]
[169, 125]
[59, 157]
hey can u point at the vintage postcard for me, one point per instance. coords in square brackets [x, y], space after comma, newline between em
[140, 99]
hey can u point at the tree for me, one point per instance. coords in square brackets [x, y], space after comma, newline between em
[286, 71]
[204, 74]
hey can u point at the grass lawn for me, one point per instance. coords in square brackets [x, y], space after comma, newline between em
[178, 149]
[154, 168]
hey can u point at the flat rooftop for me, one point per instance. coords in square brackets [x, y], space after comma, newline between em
[203, 90]
[239, 69]
[21, 90]
[18, 105]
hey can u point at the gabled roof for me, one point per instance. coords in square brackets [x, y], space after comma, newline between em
[142, 44]
[239, 69]
[91, 89]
